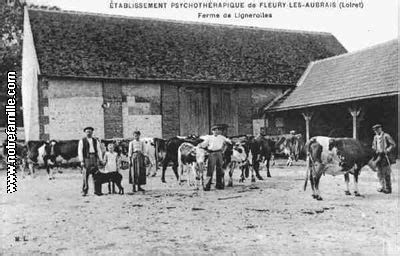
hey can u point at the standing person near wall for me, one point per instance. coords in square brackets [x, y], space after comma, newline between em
[137, 168]
[214, 145]
[383, 145]
[90, 156]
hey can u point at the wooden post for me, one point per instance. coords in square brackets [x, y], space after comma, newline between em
[354, 112]
[265, 121]
[307, 116]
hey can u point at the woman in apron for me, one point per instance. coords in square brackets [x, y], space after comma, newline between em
[137, 169]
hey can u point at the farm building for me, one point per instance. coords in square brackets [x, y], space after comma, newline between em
[165, 78]
[342, 96]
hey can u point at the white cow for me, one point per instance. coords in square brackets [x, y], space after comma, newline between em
[191, 160]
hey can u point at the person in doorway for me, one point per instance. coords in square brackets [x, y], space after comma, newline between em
[137, 168]
[90, 156]
[383, 145]
[215, 144]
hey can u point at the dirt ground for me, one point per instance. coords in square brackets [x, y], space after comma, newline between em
[270, 217]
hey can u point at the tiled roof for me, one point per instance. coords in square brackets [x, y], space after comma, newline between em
[368, 73]
[96, 45]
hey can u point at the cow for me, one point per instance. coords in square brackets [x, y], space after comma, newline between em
[193, 159]
[292, 146]
[56, 149]
[240, 157]
[262, 149]
[171, 152]
[160, 151]
[35, 154]
[336, 156]
[150, 153]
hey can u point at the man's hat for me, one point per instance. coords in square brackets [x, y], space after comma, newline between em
[292, 132]
[88, 128]
[376, 126]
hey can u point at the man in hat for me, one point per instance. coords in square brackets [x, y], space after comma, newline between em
[89, 154]
[383, 145]
[215, 144]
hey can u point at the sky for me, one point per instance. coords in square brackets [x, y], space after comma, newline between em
[356, 28]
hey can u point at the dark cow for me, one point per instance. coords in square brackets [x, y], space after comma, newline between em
[171, 152]
[66, 149]
[336, 156]
[160, 149]
[262, 149]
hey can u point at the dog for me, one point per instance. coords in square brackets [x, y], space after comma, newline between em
[101, 178]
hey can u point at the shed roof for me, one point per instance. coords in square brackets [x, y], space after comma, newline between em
[368, 73]
[97, 45]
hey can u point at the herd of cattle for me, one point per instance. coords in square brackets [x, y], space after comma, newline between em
[247, 153]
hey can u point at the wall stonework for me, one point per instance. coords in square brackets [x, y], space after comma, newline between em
[170, 111]
[245, 111]
[73, 105]
[141, 109]
[112, 94]
[43, 103]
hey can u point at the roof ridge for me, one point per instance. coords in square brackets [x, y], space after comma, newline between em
[182, 21]
[278, 98]
[356, 51]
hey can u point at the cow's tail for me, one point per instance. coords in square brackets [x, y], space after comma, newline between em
[307, 172]
[307, 148]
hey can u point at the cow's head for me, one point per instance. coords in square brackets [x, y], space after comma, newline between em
[49, 151]
[238, 153]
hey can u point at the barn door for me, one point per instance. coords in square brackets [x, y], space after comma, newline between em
[224, 108]
[194, 110]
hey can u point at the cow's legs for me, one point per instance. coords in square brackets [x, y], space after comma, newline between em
[347, 181]
[49, 168]
[22, 168]
[175, 169]
[243, 173]
[289, 161]
[273, 160]
[312, 182]
[317, 179]
[180, 170]
[231, 168]
[356, 173]
[200, 175]
[256, 169]
[192, 176]
[31, 170]
[268, 173]
[253, 178]
[164, 167]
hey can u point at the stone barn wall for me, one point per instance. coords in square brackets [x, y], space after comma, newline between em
[141, 109]
[117, 108]
[72, 105]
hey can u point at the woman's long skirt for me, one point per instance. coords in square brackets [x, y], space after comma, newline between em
[137, 170]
